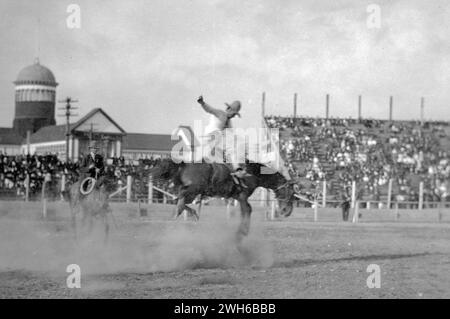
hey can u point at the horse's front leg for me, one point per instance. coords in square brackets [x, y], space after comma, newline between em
[197, 215]
[186, 196]
[181, 206]
[244, 226]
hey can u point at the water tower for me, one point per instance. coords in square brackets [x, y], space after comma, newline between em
[35, 90]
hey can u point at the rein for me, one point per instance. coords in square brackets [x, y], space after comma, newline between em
[282, 186]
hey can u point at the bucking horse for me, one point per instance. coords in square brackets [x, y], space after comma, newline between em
[215, 180]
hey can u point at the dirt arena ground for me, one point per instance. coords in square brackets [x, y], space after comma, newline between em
[155, 257]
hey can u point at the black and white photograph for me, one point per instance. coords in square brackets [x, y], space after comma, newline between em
[224, 154]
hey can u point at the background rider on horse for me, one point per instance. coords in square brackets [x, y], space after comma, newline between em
[93, 166]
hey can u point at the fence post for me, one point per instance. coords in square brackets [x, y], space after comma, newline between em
[316, 209]
[44, 199]
[397, 214]
[63, 185]
[389, 194]
[272, 206]
[27, 187]
[368, 205]
[324, 192]
[263, 197]
[141, 212]
[44, 208]
[129, 182]
[355, 218]
[150, 190]
[353, 194]
[421, 196]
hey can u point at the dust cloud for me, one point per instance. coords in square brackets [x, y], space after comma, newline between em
[136, 246]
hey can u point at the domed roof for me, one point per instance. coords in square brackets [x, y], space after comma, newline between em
[36, 74]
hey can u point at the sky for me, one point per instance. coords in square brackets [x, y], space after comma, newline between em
[146, 62]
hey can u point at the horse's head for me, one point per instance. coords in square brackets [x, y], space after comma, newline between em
[285, 195]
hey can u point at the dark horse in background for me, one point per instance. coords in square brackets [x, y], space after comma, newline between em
[215, 180]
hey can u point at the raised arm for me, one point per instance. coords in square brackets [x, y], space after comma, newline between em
[208, 108]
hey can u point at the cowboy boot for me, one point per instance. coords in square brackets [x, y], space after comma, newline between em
[235, 179]
[238, 177]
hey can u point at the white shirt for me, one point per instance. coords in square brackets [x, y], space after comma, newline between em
[215, 124]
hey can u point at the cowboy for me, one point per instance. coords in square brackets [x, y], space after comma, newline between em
[221, 120]
[92, 164]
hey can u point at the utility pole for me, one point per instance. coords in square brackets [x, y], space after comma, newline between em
[295, 105]
[359, 108]
[422, 106]
[92, 137]
[391, 107]
[91, 133]
[68, 108]
[263, 106]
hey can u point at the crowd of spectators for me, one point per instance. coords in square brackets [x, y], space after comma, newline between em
[14, 171]
[371, 152]
[368, 151]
